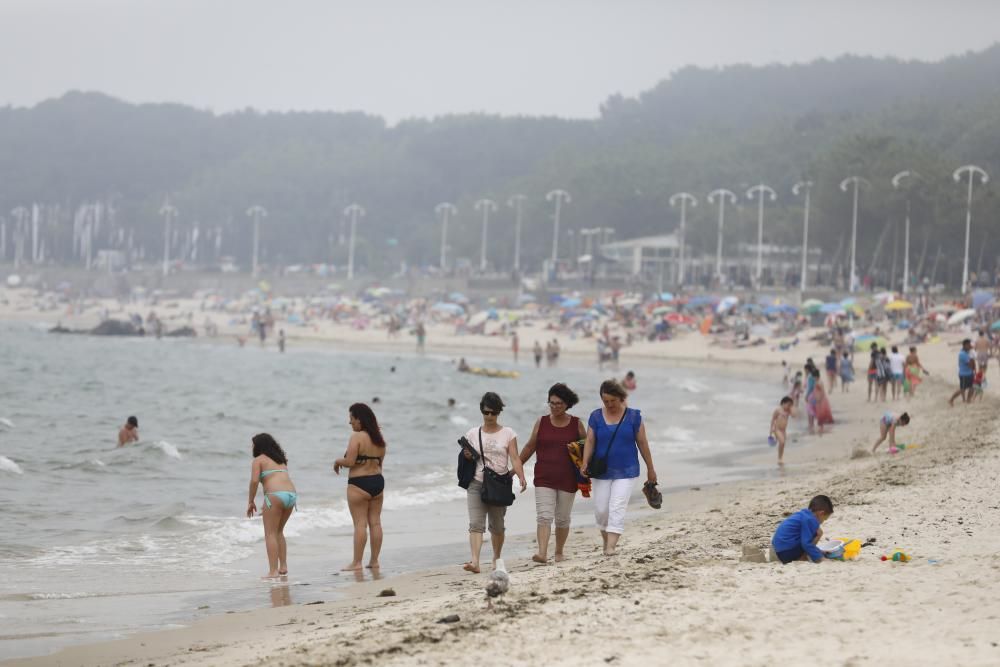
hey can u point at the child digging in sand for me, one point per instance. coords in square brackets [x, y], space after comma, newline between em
[796, 537]
[887, 429]
[779, 425]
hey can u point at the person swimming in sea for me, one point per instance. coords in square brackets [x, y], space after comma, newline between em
[129, 433]
[270, 469]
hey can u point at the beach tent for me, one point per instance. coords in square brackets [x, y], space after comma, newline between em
[961, 316]
[727, 304]
[982, 299]
[899, 304]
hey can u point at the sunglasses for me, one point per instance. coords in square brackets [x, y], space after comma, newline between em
[489, 413]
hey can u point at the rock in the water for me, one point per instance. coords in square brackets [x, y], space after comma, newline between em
[182, 332]
[387, 593]
[115, 328]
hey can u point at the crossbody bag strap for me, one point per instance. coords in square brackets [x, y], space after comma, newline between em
[612, 441]
[481, 454]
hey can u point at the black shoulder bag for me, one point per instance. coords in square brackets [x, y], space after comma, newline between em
[598, 466]
[498, 490]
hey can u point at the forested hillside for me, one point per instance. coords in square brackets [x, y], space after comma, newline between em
[696, 131]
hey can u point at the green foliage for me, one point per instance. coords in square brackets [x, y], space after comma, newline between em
[699, 130]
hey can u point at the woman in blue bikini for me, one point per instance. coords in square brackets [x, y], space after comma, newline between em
[364, 456]
[270, 469]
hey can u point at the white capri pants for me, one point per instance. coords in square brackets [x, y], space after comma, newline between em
[553, 504]
[610, 501]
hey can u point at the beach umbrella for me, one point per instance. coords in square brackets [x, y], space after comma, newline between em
[678, 318]
[570, 303]
[458, 297]
[666, 296]
[885, 297]
[726, 304]
[981, 299]
[995, 326]
[961, 316]
[831, 308]
[849, 301]
[449, 308]
[701, 301]
[662, 310]
[899, 304]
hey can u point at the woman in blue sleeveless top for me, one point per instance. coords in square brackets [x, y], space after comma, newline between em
[616, 435]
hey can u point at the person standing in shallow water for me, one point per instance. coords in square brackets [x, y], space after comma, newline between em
[270, 470]
[555, 475]
[365, 483]
[129, 432]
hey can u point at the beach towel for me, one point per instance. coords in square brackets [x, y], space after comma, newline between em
[911, 378]
[575, 449]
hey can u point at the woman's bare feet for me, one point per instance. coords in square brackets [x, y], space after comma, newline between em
[559, 558]
[372, 565]
[283, 573]
[469, 567]
[351, 567]
[540, 559]
[270, 576]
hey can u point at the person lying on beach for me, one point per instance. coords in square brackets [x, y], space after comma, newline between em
[887, 429]
[129, 432]
[779, 424]
[270, 470]
[796, 537]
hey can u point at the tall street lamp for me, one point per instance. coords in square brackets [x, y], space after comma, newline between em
[559, 197]
[487, 206]
[857, 182]
[517, 203]
[973, 171]
[897, 183]
[445, 210]
[353, 212]
[760, 191]
[720, 195]
[798, 188]
[682, 198]
[169, 213]
[256, 212]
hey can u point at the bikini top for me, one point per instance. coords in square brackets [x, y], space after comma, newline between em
[265, 473]
[361, 458]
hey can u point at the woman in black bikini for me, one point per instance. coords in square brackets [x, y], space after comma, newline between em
[364, 456]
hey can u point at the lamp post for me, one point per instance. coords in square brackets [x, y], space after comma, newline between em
[682, 198]
[798, 188]
[517, 203]
[760, 191]
[857, 182]
[256, 212]
[168, 212]
[559, 197]
[720, 194]
[353, 211]
[973, 171]
[444, 210]
[487, 206]
[897, 182]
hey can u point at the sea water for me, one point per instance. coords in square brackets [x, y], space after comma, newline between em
[100, 541]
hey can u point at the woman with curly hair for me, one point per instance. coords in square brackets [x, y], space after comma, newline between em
[270, 469]
[365, 484]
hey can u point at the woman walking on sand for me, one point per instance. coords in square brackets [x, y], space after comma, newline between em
[497, 446]
[616, 437]
[270, 469]
[555, 474]
[365, 484]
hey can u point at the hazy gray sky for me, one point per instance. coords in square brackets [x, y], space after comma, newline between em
[405, 58]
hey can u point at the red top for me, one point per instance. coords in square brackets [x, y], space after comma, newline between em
[553, 467]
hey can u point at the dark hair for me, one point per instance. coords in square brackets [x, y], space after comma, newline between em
[630, 374]
[264, 443]
[833, 352]
[904, 418]
[132, 421]
[369, 424]
[874, 345]
[613, 388]
[913, 349]
[895, 350]
[967, 341]
[883, 351]
[786, 399]
[814, 372]
[491, 401]
[564, 393]
[821, 504]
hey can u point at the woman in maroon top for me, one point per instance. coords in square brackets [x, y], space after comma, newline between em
[555, 474]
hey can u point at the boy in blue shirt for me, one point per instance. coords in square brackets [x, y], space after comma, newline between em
[797, 535]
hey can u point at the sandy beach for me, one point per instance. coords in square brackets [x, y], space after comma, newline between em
[681, 589]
